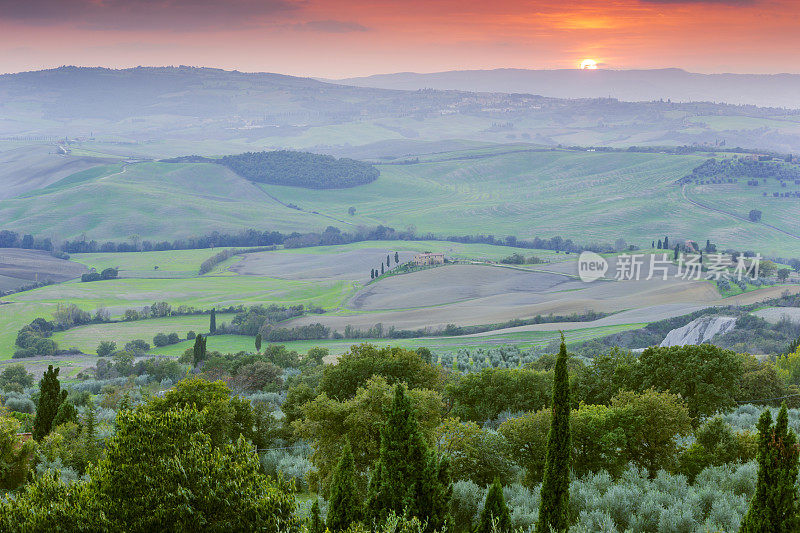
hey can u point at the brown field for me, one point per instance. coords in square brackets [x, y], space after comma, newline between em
[482, 294]
[351, 265]
[20, 267]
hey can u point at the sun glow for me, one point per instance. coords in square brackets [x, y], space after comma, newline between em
[588, 64]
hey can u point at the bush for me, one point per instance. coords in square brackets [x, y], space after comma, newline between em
[106, 348]
[20, 404]
[137, 346]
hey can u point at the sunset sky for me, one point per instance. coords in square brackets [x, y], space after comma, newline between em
[340, 38]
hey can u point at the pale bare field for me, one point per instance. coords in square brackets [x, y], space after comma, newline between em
[20, 267]
[350, 265]
[481, 294]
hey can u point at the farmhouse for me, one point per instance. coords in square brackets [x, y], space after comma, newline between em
[427, 259]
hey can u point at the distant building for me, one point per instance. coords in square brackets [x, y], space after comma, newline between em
[428, 259]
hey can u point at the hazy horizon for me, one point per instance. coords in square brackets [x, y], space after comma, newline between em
[346, 39]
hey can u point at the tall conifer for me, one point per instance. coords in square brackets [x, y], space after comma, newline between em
[495, 517]
[345, 505]
[774, 507]
[50, 398]
[554, 507]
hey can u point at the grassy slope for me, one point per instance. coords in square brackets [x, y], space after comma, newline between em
[586, 196]
[88, 337]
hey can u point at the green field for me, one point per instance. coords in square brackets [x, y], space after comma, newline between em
[237, 343]
[142, 285]
[202, 292]
[86, 338]
[143, 264]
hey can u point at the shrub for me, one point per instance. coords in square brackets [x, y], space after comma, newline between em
[20, 404]
[137, 346]
[106, 348]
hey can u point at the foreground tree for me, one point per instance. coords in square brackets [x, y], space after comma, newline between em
[15, 456]
[495, 517]
[161, 472]
[554, 507]
[774, 507]
[50, 398]
[345, 504]
[408, 477]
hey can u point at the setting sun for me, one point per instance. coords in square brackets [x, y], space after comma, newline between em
[588, 64]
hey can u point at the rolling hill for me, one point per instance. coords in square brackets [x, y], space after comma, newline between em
[165, 112]
[587, 196]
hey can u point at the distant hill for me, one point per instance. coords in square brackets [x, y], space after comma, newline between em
[153, 113]
[776, 90]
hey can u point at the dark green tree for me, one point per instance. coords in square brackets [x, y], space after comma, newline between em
[396, 258]
[89, 433]
[315, 523]
[199, 352]
[50, 398]
[66, 413]
[345, 505]
[212, 327]
[258, 342]
[666, 243]
[774, 507]
[382, 269]
[554, 507]
[675, 256]
[372, 273]
[660, 247]
[495, 517]
[408, 477]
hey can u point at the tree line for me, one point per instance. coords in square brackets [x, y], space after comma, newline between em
[332, 235]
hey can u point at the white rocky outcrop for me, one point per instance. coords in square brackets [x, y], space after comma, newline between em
[699, 330]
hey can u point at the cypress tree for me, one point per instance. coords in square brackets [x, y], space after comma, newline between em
[660, 247]
[315, 523]
[345, 506]
[371, 273]
[408, 478]
[388, 261]
[675, 257]
[495, 516]
[666, 243]
[199, 354]
[381, 269]
[212, 327]
[89, 434]
[66, 413]
[396, 258]
[774, 507]
[50, 398]
[554, 507]
[258, 342]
